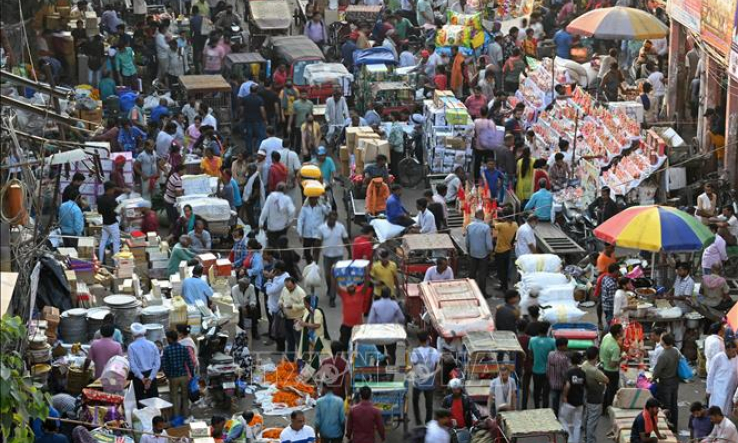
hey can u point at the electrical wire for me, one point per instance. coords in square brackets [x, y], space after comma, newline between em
[24, 196]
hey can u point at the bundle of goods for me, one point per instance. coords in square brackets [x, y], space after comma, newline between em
[318, 74]
[115, 374]
[215, 211]
[461, 30]
[351, 272]
[101, 407]
[286, 390]
[131, 211]
[542, 285]
[359, 13]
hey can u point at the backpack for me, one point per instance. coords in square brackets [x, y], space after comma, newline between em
[416, 435]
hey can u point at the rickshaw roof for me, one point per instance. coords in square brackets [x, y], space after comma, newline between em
[204, 83]
[378, 334]
[297, 47]
[271, 14]
[480, 341]
[237, 58]
[420, 242]
[530, 422]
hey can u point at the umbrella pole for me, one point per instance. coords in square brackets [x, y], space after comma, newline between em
[653, 265]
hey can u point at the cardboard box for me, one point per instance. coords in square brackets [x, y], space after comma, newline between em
[439, 96]
[86, 247]
[457, 116]
[631, 398]
[223, 267]
[343, 152]
[345, 168]
[207, 260]
[351, 136]
[199, 429]
[456, 143]
[94, 117]
[374, 147]
[91, 20]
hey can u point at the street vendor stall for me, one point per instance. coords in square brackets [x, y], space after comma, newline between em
[486, 351]
[212, 90]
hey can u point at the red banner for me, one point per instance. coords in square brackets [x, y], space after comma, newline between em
[717, 24]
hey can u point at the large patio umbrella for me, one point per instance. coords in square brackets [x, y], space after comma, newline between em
[732, 317]
[655, 228]
[618, 23]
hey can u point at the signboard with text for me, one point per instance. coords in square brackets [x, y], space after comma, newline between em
[686, 12]
[716, 27]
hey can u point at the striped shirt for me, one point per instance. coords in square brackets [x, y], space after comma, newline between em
[558, 365]
[609, 286]
[174, 184]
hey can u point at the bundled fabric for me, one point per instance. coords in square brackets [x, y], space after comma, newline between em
[539, 263]
[317, 74]
[563, 313]
[115, 374]
[543, 279]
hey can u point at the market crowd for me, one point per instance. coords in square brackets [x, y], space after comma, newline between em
[276, 162]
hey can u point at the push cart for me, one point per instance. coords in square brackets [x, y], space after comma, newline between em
[486, 352]
[387, 382]
[212, 90]
[531, 426]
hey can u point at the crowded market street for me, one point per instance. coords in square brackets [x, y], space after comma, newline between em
[419, 221]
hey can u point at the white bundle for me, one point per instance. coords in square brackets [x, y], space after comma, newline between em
[115, 374]
[563, 313]
[539, 263]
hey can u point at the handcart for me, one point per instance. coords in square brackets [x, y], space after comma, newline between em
[241, 63]
[419, 252]
[212, 90]
[387, 382]
[485, 352]
[531, 426]
[393, 97]
[580, 335]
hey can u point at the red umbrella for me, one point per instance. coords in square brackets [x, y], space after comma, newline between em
[733, 317]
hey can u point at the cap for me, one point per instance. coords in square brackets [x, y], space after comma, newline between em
[137, 329]
[119, 160]
[424, 53]
[322, 150]
[262, 153]
[455, 383]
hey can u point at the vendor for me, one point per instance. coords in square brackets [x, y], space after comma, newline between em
[73, 187]
[727, 224]
[180, 252]
[196, 289]
[377, 169]
[454, 182]
[396, 212]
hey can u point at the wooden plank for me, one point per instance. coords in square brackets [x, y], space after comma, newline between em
[204, 83]
[553, 240]
[7, 283]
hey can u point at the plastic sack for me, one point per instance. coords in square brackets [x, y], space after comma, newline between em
[129, 404]
[543, 279]
[684, 371]
[563, 313]
[313, 188]
[539, 263]
[386, 230]
[194, 389]
[311, 275]
[261, 237]
[115, 374]
[142, 418]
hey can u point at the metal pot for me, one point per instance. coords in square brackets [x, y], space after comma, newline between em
[694, 322]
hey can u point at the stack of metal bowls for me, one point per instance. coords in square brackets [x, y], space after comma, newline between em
[126, 309]
[155, 332]
[73, 325]
[96, 317]
[156, 314]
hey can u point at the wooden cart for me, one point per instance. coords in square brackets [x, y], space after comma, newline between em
[533, 425]
[212, 90]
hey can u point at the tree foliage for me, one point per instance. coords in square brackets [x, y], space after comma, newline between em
[20, 401]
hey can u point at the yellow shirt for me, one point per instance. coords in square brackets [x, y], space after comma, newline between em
[211, 167]
[384, 276]
[293, 302]
[505, 233]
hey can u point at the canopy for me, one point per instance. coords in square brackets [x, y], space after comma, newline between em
[618, 23]
[271, 14]
[374, 56]
[655, 228]
[491, 341]
[733, 317]
[295, 48]
[378, 334]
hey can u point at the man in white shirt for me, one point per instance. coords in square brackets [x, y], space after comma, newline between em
[297, 431]
[244, 298]
[164, 139]
[714, 344]
[707, 204]
[525, 239]
[336, 109]
[311, 218]
[277, 214]
[453, 184]
[437, 430]
[208, 119]
[389, 42]
[728, 225]
[270, 144]
[426, 219]
[162, 52]
[723, 429]
[334, 238]
[441, 271]
[657, 79]
[424, 359]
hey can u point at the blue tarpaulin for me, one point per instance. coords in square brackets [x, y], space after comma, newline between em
[374, 56]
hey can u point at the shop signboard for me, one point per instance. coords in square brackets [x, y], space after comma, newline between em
[716, 27]
[686, 12]
[733, 62]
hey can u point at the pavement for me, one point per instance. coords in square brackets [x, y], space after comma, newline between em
[688, 393]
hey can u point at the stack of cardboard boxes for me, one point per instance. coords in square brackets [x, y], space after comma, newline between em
[364, 144]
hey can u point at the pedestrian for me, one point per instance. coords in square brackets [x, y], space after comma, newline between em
[330, 417]
[609, 287]
[71, 220]
[595, 381]
[384, 274]
[438, 429]
[333, 371]
[507, 315]
[525, 239]
[103, 349]
[245, 301]
[524, 369]
[505, 229]
[177, 364]
[714, 344]
[557, 368]
[147, 167]
[502, 392]
[291, 301]
[425, 360]
[334, 239]
[106, 207]
[723, 378]
[479, 245]
[276, 214]
[297, 431]
[143, 356]
[610, 356]
[364, 420]
[540, 346]
[572, 399]
[273, 289]
[312, 216]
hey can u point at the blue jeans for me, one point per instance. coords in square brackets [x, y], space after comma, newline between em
[254, 134]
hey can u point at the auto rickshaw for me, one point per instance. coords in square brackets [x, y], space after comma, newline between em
[268, 18]
[485, 352]
[241, 63]
[295, 52]
[370, 366]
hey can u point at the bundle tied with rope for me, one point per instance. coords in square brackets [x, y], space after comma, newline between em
[13, 197]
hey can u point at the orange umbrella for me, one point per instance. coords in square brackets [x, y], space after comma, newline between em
[733, 317]
[618, 23]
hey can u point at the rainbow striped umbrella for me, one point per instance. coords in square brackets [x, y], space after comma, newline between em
[618, 23]
[655, 228]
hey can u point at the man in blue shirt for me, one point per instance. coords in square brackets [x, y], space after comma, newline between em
[541, 202]
[396, 212]
[479, 245]
[194, 288]
[71, 220]
[145, 363]
[130, 136]
[330, 417]
[160, 111]
[494, 178]
[327, 166]
[562, 39]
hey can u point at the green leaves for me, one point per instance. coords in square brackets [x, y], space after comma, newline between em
[20, 401]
